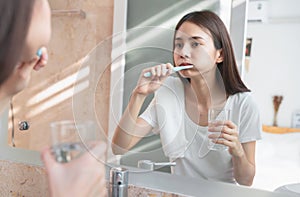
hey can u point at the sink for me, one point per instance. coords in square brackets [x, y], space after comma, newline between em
[187, 186]
[148, 149]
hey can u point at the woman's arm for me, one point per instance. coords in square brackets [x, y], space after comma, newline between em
[131, 129]
[244, 164]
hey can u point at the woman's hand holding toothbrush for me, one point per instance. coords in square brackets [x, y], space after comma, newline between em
[42, 54]
[152, 78]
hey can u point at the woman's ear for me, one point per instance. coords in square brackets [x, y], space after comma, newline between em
[219, 56]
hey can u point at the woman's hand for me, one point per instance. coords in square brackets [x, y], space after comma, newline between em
[228, 137]
[147, 85]
[43, 59]
[243, 155]
[83, 176]
[20, 78]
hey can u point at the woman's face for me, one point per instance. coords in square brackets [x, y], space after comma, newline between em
[194, 45]
[38, 36]
[39, 30]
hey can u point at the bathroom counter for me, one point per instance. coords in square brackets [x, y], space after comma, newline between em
[185, 186]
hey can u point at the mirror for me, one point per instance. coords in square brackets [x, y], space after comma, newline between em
[150, 147]
[149, 41]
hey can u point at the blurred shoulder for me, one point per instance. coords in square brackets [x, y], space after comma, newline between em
[244, 99]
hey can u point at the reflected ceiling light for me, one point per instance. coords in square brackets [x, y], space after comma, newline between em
[63, 96]
[59, 86]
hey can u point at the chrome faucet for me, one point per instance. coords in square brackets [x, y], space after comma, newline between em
[149, 165]
[118, 184]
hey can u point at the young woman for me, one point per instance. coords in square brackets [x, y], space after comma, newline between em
[24, 34]
[179, 109]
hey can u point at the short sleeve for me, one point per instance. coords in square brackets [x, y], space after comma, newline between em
[150, 116]
[250, 127]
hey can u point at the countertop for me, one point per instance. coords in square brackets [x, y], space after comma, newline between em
[186, 186]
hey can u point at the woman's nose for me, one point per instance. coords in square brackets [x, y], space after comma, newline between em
[185, 52]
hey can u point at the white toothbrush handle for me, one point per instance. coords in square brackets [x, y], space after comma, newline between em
[175, 69]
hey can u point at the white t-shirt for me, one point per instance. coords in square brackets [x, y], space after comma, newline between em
[198, 161]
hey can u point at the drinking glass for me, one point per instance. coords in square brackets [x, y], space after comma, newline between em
[216, 119]
[70, 139]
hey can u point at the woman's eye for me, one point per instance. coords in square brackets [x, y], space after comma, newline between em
[178, 45]
[195, 44]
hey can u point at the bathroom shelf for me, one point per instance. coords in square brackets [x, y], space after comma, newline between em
[75, 12]
[279, 130]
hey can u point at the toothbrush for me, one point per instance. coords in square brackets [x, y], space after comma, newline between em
[39, 52]
[175, 69]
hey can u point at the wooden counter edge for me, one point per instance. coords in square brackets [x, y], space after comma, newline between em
[279, 130]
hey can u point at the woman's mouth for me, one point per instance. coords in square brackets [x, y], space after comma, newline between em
[186, 64]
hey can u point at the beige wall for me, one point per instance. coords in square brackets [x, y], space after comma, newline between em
[49, 96]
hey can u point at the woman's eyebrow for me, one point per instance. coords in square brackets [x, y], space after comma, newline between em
[196, 38]
[179, 39]
[191, 38]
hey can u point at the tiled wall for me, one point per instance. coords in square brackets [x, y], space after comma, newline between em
[49, 95]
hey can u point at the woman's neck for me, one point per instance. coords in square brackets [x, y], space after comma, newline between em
[200, 90]
[209, 90]
[202, 93]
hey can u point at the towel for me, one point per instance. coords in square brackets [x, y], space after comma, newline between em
[170, 112]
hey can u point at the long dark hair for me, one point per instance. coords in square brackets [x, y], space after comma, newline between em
[228, 67]
[15, 17]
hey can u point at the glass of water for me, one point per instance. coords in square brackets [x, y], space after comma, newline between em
[70, 139]
[216, 120]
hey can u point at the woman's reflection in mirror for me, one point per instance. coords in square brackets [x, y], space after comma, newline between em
[179, 109]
